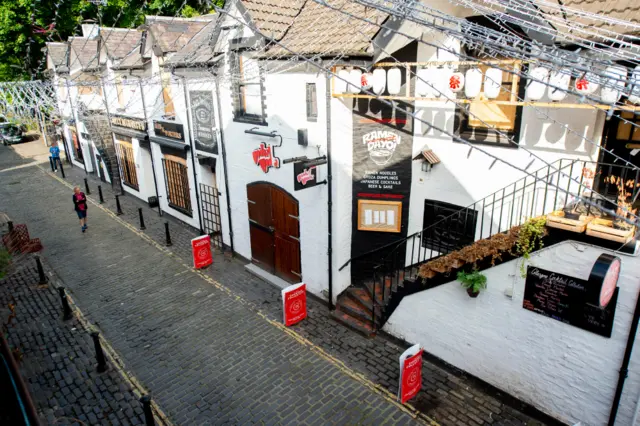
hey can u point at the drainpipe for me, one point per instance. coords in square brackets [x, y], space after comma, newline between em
[153, 166]
[193, 153]
[329, 199]
[74, 114]
[224, 163]
[624, 368]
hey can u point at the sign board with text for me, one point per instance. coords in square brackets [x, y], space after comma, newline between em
[169, 130]
[410, 373]
[203, 121]
[294, 303]
[201, 252]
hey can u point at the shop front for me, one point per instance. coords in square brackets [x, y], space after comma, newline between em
[134, 156]
[173, 170]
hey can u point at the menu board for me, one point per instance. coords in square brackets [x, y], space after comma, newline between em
[562, 298]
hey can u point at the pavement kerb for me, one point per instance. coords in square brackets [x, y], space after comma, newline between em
[384, 393]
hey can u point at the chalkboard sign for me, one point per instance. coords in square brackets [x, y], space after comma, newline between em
[562, 298]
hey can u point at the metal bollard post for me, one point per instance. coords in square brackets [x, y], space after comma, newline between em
[10, 225]
[66, 309]
[41, 276]
[51, 160]
[102, 362]
[61, 169]
[118, 208]
[86, 186]
[100, 194]
[142, 227]
[146, 407]
[167, 234]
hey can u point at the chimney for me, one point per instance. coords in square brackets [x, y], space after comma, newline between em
[90, 29]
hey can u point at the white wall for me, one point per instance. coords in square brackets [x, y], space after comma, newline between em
[565, 371]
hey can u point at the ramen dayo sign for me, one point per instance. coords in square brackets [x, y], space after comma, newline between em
[381, 144]
[265, 158]
[294, 303]
[410, 373]
[201, 251]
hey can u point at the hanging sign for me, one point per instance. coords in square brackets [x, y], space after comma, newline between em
[265, 158]
[294, 303]
[203, 121]
[169, 130]
[410, 373]
[305, 176]
[201, 251]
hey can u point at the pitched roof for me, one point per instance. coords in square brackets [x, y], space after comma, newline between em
[86, 51]
[119, 42]
[199, 49]
[321, 30]
[58, 53]
[621, 16]
[172, 34]
[273, 17]
[133, 60]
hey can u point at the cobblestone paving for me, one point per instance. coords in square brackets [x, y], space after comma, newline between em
[207, 356]
[58, 359]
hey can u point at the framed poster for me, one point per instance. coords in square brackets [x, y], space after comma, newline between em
[379, 216]
[203, 121]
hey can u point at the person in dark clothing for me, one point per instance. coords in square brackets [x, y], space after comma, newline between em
[80, 204]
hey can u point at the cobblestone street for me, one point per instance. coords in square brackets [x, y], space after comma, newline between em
[209, 345]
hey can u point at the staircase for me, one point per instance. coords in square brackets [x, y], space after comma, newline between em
[382, 277]
[97, 124]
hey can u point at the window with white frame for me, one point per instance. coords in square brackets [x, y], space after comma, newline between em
[312, 102]
[248, 89]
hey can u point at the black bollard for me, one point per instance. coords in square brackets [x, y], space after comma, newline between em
[86, 186]
[168, 235]
[61, 169]
[66, 309]
[51, 160]
[102, 362]
[10, 225]
[146, 407]
[118, 208]
[100, 194]
[41, 276]
[142, 227]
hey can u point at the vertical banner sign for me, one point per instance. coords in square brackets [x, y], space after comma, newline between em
[294, 303]
[410, 373]
[201, 250]
[203, 121]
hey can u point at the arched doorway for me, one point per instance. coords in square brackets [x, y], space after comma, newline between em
[275, 230]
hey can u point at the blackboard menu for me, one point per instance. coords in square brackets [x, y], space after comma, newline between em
[562, 298]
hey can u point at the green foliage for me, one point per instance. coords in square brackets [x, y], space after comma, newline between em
[21, 23]
[475, 280]
[530, 239]
[5, 259]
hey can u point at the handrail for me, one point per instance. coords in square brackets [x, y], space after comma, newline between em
[398, 242]
[24, 397]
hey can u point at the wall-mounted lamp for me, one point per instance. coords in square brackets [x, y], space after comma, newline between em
[272, 134]
[426, 166]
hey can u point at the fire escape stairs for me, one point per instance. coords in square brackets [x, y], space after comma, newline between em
[373, 295]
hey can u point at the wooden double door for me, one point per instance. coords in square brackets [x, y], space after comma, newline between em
[275, 230]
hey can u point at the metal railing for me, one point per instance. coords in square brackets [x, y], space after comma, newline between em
[561, 186]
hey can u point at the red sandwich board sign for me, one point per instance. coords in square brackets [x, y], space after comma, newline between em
[201, 251]
[410, 373]
[294, 303]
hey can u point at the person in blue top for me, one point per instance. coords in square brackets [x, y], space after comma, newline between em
[55, 155]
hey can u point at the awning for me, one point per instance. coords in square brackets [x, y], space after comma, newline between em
[169, 143]
[129, 132]
[428, 155]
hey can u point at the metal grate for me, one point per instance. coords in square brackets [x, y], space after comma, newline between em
[177, 185]
[127, 165]
[210, 199]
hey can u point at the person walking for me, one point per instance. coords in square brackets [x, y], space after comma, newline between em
[55, 155]
[80, 204]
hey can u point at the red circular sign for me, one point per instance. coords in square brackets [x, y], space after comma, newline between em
[609, 283]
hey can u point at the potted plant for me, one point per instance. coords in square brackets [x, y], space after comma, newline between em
[473, 281]
[617, 228]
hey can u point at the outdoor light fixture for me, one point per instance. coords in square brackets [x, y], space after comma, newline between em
[426, 166]
[273, 134]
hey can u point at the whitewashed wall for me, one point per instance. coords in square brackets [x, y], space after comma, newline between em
[462, 179]
[563, 370]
